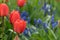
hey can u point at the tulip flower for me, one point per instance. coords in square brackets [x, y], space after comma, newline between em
[4, 9]
[21, 3]
[19, 26]
[14, 16]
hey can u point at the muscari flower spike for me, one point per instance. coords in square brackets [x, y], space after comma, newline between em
[45, 27]
[47, 8]
[35, 21]
[52, 19]
[24, 18]
[24, 13]
[26, 32]
[44, 7]
[54, 24]
[39, 21]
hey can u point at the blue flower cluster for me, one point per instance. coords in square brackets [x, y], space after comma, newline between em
[53, 23]
[25, 16]
[38, 22]
[45, 25]
[47, 8]
[26, 32]
[29, 31]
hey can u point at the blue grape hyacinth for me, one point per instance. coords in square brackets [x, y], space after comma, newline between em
[35, 21]
[47, 8]
[45, 25]
[52, 19]
[39, 21]
[24, 18]
[54, 24]
[26, 32]
[24, 13]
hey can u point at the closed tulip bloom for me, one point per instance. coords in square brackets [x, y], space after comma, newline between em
[4, 9]
[19, 26]
[21, 3]
[14, 16]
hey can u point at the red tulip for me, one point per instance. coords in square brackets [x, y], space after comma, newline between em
[19, 26]
[4, 10]
[14, 16]
[21, 3]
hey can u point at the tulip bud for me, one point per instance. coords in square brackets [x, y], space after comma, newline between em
[21, 3]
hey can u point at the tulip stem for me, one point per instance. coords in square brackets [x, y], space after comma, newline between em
[2, 24]
[2, 18]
